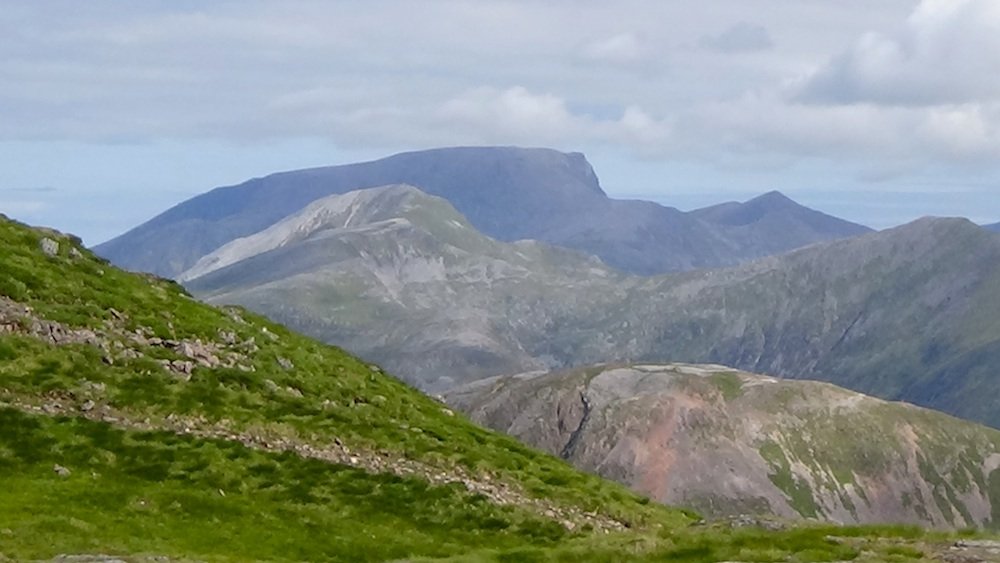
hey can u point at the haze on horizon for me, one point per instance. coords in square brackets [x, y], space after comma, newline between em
[878, 113]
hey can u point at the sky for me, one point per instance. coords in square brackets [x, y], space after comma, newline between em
[878, 112]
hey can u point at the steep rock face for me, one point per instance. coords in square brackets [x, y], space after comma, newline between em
[727, 442]
[508, 193]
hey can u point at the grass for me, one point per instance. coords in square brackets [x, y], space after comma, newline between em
[153, 492]
[342, 396]
[149, 492]
[179, 496]
[729, 384]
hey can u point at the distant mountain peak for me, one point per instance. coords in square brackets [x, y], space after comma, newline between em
[355, 209]
[507, 193]
[783, 212]
[772, 197]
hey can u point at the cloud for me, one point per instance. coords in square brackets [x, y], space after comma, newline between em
[622, 48]
[489, 115]
[947, 52]
[740, 38]
[513, 112]
[580, 76]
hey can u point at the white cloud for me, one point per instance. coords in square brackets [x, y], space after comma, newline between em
[948, 52]
[622, 48]
[636, 78]
[513, 112]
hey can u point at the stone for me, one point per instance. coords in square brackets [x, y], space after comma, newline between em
[87, 406]
[61, 471]
[87, 559]
[978, 544]
[285, 363]
[49, 246]
[227, 337]
[74, 253]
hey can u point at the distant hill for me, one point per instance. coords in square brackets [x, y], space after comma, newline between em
[507, 193]
[727, 442]
[909, 313]
[993, 227]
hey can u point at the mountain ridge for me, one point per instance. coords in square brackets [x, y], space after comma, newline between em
[508, 193]
[894, 314]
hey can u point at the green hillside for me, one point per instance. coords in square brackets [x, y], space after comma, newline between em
[137, 422]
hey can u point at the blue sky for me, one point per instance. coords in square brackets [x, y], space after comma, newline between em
[877, 112]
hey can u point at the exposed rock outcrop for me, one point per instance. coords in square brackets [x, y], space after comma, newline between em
[730, 443]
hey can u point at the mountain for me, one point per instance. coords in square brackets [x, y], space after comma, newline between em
[993, 227]
[507, 193]
[906, 314]
[138, 424]
[726, 442]
[766, 223]
[404, 279]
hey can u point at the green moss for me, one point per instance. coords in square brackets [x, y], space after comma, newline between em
[728, 383]
[943, 494]
[799, 494]
[993, 486]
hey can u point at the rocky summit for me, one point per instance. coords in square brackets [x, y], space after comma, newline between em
[730, 443]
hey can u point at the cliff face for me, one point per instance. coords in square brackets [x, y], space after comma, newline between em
[727, 442]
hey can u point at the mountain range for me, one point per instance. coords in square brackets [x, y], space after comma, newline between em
[138, 424]
[507, 193]
[994, 227]
[400, 277]
[728, 443]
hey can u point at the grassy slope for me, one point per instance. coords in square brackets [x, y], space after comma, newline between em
[132, 491]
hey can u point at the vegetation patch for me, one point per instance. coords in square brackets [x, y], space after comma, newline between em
[798, 492]
[728, 383]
